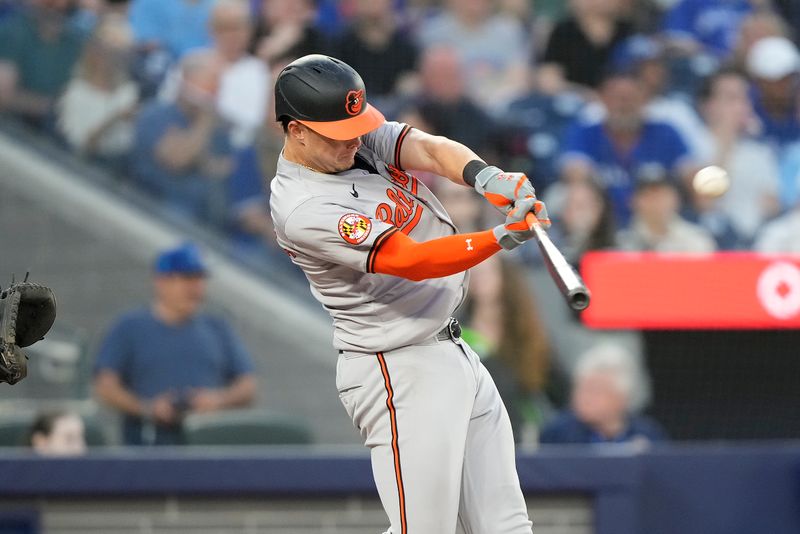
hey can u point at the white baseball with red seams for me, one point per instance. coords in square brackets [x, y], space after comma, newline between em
[712, 181]
[440, 439]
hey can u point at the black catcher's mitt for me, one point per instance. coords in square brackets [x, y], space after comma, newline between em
[27, 312]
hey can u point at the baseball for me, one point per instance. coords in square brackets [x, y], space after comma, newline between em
[711, 181]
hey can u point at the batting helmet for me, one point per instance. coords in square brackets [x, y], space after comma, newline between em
[327, 95]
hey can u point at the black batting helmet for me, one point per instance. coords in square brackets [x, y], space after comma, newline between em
[327, 95]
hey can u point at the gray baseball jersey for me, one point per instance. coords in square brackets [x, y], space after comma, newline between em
[331, 225]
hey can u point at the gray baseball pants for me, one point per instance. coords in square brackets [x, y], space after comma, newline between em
[440, 439]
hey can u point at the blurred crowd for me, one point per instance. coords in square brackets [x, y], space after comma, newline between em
[609, 106]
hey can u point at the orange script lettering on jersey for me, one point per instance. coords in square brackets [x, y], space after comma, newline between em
[407, 209]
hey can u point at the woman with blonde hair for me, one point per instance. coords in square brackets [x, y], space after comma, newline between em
[95, 114]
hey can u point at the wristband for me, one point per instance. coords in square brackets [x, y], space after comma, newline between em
[471, 171]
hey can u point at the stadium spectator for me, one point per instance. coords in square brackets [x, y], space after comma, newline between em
[756, 26]
[774, 65]
[161, 362]
[443, 104]
[646, 58]
[285, 30]
[245, 86]
[780, 236]
[656, 224]
[604, 384]
[710, 26]
[57, 433]
[182, 153]
[502, 325]
[579, 49]
[585, 221]
[623, 145]
[751, 164]
[532, 129]
[95, 113]
[494, 49]
[38, 49]
[164, 32]
[377, 48]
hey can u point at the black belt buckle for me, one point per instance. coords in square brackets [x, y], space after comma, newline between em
[454, 329]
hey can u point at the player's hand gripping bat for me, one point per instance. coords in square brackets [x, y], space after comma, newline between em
[568, 281]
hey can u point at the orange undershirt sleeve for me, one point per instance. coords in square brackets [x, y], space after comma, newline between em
[397, 254]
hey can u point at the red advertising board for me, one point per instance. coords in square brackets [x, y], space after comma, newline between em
[680, 291]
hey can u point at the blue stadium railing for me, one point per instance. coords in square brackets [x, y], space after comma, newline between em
[708, 489]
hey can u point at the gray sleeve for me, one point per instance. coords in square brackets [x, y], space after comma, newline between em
[333, 232]
[386, 141]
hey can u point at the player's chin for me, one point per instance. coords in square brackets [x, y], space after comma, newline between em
[346, 162]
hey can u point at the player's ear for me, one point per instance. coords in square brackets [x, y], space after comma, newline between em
[296, 130]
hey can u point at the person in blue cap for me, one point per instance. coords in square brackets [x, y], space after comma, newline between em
[160, 362]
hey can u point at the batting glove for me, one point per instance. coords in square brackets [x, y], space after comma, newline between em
[516, 230]
[502, 189]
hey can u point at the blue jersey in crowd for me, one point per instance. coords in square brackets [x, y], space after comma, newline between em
[566, 428]
[660, 150]
[152, 358]
[714, 23]
[175, 25]
[778, 131]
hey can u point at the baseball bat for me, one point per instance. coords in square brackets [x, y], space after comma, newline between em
[567, 280]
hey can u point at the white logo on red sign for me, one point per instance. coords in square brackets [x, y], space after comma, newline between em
[778, 290]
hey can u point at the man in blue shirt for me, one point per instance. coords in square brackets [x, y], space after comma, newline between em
[182, 152]
[622, 146]
[605, 385]
[161, 362]
[40, 48]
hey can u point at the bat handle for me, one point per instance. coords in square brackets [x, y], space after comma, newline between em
[532, 221]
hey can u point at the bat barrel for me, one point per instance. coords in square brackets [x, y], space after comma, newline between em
[568, 281]
[578, 299]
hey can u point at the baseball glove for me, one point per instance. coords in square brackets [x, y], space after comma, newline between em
[27, 312]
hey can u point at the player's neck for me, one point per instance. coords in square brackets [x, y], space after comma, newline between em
[290, 153]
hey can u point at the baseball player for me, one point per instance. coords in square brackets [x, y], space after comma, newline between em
[383, 257]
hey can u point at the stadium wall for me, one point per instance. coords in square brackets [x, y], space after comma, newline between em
[753, 489]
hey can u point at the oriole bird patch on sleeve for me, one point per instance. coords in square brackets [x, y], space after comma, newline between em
[354, 228]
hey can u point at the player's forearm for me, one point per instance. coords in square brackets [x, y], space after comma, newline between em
[399, 255]
[109, 389]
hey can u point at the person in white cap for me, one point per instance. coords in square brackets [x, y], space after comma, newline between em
[774, 63]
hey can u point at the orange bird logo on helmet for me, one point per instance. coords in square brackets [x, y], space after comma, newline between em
[354, 102]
